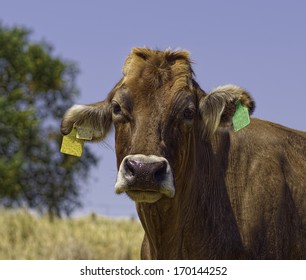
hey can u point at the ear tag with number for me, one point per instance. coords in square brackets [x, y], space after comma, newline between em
[241, 117]
[72, 145]
[84, 133]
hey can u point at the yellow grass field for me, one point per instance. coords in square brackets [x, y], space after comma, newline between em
[27, 236]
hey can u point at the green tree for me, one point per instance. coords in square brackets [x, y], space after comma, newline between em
[36, 88]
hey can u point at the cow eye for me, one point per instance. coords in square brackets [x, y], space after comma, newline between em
[188, 114]
[116, 108]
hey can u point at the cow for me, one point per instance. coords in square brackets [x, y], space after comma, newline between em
[201, 189]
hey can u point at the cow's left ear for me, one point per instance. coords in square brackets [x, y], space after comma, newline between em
[93, 120]
[219, 106]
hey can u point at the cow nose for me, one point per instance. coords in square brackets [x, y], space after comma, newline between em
[138, 171]
[145, 178]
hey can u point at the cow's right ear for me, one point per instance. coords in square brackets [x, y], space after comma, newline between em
[96, 117]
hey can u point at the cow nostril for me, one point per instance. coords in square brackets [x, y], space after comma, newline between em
[160, 172]
[130, 167]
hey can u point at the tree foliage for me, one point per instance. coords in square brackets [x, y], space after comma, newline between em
[36, 88]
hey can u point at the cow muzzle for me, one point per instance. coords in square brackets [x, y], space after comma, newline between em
[145, 178]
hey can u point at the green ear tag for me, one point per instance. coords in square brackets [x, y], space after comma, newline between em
[71, 145]
[241, 117]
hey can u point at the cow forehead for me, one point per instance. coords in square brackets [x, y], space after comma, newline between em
[152, 69]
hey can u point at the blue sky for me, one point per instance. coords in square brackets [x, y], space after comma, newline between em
[259, 45]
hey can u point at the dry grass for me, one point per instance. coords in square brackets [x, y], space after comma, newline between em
[25, 236]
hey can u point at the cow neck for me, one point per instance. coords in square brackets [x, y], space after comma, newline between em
[198, 222]
[217, 229]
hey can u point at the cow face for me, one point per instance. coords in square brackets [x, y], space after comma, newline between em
[156, 109]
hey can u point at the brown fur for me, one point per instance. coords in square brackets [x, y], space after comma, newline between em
[237, 195]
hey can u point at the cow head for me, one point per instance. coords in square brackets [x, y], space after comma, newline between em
[157, 110]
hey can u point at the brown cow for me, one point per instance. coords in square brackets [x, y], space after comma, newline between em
[202, 191]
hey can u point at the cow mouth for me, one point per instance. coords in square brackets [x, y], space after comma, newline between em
[145, 178]
[144, 196]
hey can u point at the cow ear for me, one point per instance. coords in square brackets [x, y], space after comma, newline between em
[97, 118]
[218, 107]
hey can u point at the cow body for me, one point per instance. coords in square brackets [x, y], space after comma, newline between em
[247, 200]
[202, 191]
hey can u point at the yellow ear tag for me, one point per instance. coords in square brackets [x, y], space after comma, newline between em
[71, 145]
